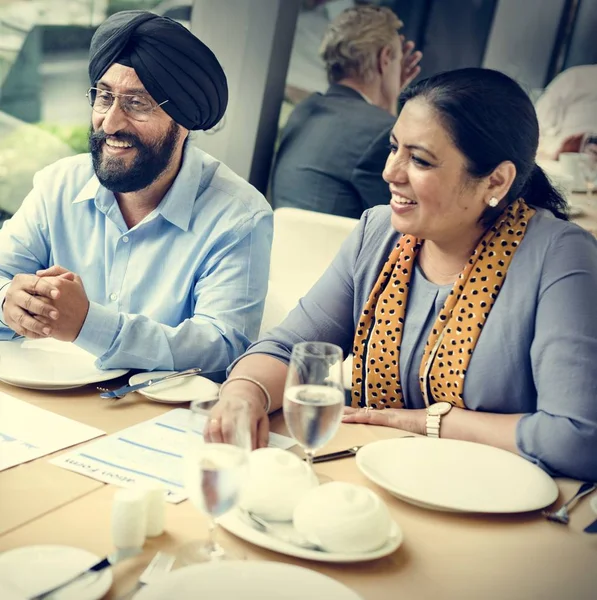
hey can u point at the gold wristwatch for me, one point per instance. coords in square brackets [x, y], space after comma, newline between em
[435, 412]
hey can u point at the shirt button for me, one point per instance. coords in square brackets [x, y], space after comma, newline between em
[113, 297]
[125, 239]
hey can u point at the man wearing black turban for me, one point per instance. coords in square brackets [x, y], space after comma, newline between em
[169, 60]
[173, 247]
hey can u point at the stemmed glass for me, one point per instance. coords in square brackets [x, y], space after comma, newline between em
[314, 395]
[588, 163]
[214, 477]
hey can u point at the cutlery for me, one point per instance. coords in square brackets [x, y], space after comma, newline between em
[592, 528]
[160, 564]
[337, 455]
[123, 391]
[561, 515]
[343, 453]
[266, 527]
[111, 559]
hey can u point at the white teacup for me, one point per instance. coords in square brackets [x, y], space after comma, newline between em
[343, 517]
[570, 165]
[277, 481]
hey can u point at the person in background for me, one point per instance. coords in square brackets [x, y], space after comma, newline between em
[334, 145]
[567, 110]
[147, 252]
[468, 302]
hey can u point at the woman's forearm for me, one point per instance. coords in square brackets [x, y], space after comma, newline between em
[269, 371]
[493, 429]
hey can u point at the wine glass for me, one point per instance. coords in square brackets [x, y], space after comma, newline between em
[314, 395]
[214, 477]
[588, 163]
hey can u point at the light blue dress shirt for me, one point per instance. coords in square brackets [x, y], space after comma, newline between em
[183, 288]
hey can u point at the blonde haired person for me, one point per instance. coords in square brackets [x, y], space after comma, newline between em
[356, 48]
[333, 147]
[468, 301]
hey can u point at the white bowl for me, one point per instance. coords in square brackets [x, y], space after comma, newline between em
[343, 517]
[277, 481]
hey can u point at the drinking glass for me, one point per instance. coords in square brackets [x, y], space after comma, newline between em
[588, 164]
[214, 478]
[314, 395]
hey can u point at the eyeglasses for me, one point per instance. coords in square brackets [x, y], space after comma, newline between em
[137, 106]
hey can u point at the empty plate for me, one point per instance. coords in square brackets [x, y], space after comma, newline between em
[49, 365]
[454, 475]
[29, 571]
[231, 580]
[185, 389]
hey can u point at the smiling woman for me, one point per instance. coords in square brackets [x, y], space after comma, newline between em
[468, 303]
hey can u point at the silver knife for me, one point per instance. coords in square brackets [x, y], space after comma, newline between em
[336, 455]
[111, 559]
[592, 528]
[344, 453]
[127, 389]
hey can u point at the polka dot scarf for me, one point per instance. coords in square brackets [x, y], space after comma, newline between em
[376, 374]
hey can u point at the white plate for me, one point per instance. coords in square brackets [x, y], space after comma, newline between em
[49, 365]
[186, 389]
[254, 579]
[31, 570]
[453, 475]
[234, 523]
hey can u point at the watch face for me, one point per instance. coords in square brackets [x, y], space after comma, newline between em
[440, 408]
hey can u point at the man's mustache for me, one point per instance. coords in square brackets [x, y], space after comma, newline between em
[96, 137]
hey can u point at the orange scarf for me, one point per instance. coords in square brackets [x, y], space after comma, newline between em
[454, 335]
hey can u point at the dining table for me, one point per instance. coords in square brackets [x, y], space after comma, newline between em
[444, 555]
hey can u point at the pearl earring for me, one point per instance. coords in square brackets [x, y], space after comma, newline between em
[493, 202]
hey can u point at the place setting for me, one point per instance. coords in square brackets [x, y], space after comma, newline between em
[167, 387]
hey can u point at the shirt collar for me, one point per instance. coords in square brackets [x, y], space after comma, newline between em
[177, 205]
[89, 191]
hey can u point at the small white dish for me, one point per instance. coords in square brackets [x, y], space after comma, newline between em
[457, 476]
[185, 389]
[235, 524]
[31, 570]
[48, 364]
[232, 579]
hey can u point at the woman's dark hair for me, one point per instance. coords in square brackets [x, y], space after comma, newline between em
[490, 120]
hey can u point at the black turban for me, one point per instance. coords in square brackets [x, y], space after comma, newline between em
[169, 60]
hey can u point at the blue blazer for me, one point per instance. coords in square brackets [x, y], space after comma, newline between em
[332, 153]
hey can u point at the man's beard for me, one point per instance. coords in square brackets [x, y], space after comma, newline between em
[150, 161]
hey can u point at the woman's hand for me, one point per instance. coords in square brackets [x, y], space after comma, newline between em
[233, 411]
[399, 418]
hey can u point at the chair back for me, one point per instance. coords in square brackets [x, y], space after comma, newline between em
[304, 245]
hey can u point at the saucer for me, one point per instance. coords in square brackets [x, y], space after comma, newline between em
[31, 570]
[185, 389]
